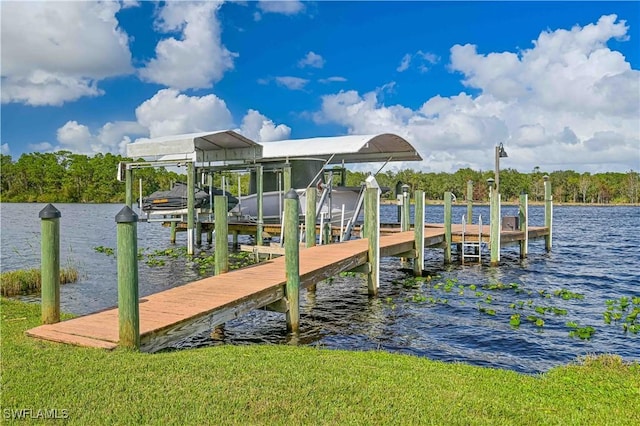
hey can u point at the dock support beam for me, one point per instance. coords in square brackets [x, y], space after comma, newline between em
[548, 212]
[447, 227]
[286, 171]
[524, 224]
[128, 309]
[405, 221]
[469, 202]
[494, 229]
[50, 264]
[292, 259]
[190, 207]
[198, 233]
[222, 234]
[372, 233]
[418, 229]
[259, 200]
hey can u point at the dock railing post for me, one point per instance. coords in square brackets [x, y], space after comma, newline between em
[128, 309]
[259, 201]
[418, 229]
[292, 259]
[372, 233]
[447, 227]
[495, 226]
[190, 207]
[50, 264]
[469, 202]
[524, 224]
[548, 212]
[222, 234]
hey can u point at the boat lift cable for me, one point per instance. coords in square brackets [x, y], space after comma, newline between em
[347, 231]
[383, 166]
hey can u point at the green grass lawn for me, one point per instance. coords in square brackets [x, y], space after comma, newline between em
[267, 384]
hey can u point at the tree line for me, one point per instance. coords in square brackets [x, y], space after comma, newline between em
[65, 177]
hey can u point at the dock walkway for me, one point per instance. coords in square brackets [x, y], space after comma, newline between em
[172, 315]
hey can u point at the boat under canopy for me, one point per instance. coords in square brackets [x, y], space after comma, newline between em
[162, 202]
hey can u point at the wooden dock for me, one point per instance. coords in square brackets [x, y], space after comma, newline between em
[174, 314]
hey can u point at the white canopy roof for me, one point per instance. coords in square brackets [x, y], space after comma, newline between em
[227, 145]
[224, 145]
[350, 149]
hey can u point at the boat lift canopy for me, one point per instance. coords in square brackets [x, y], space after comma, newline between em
[224, 145]
[347, 149]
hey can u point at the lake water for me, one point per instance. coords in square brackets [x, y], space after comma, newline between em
[596, 253]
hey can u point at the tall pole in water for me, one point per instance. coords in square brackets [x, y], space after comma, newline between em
[292, 259]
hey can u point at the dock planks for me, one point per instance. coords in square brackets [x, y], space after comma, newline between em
[174, 314]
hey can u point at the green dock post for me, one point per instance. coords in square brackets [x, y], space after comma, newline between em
[548, 212]
[524, 224]
[128, 179]
[469, 202]
[292, 259]
[406, 204]
[418, 229]
[222, 234]
[128, 309]
[286, 171]
[259, 201]
[447, 226]
[372, 233]
[172, 238]
[209, 236]
[494, 228]
[190, 207]
[50, 264]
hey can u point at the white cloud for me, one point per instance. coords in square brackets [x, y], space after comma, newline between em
[259, 128]
[4, 149]
[404, 64]
[78, 138]
[169, 112]
[41, 147]
[311, 59]
[56, 52]
[196, 59]
[285, 7]
[568, 102]
[334, 79]
[423, 59]
[292, 83]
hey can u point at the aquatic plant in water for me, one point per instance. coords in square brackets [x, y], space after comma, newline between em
[625, 310]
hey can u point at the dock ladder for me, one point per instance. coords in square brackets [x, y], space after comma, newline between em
[474, 246]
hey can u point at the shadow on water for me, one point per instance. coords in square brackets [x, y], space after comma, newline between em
[455, 314]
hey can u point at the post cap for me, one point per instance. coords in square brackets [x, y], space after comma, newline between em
[49, 212]
[126, 215]
[545, 177]
[291, 195]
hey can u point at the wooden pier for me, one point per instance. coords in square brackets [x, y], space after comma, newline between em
[174, 314]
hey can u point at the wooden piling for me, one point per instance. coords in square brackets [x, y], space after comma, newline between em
[172, 238]
[190, 207]
[292, 260]
[259, 201]
[469, 202]
[128, 179]
[524, 224]
[50, 264]
[198, 233]
[372, 233]
[548, 213]
[286, 173]
[494, 228]
[128, 309]
[222, 234]
[310, 217]
[447, 226]
[209, 237]
[418, 229]
[406, 208]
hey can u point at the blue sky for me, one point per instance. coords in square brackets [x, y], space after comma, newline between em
[557, 82]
